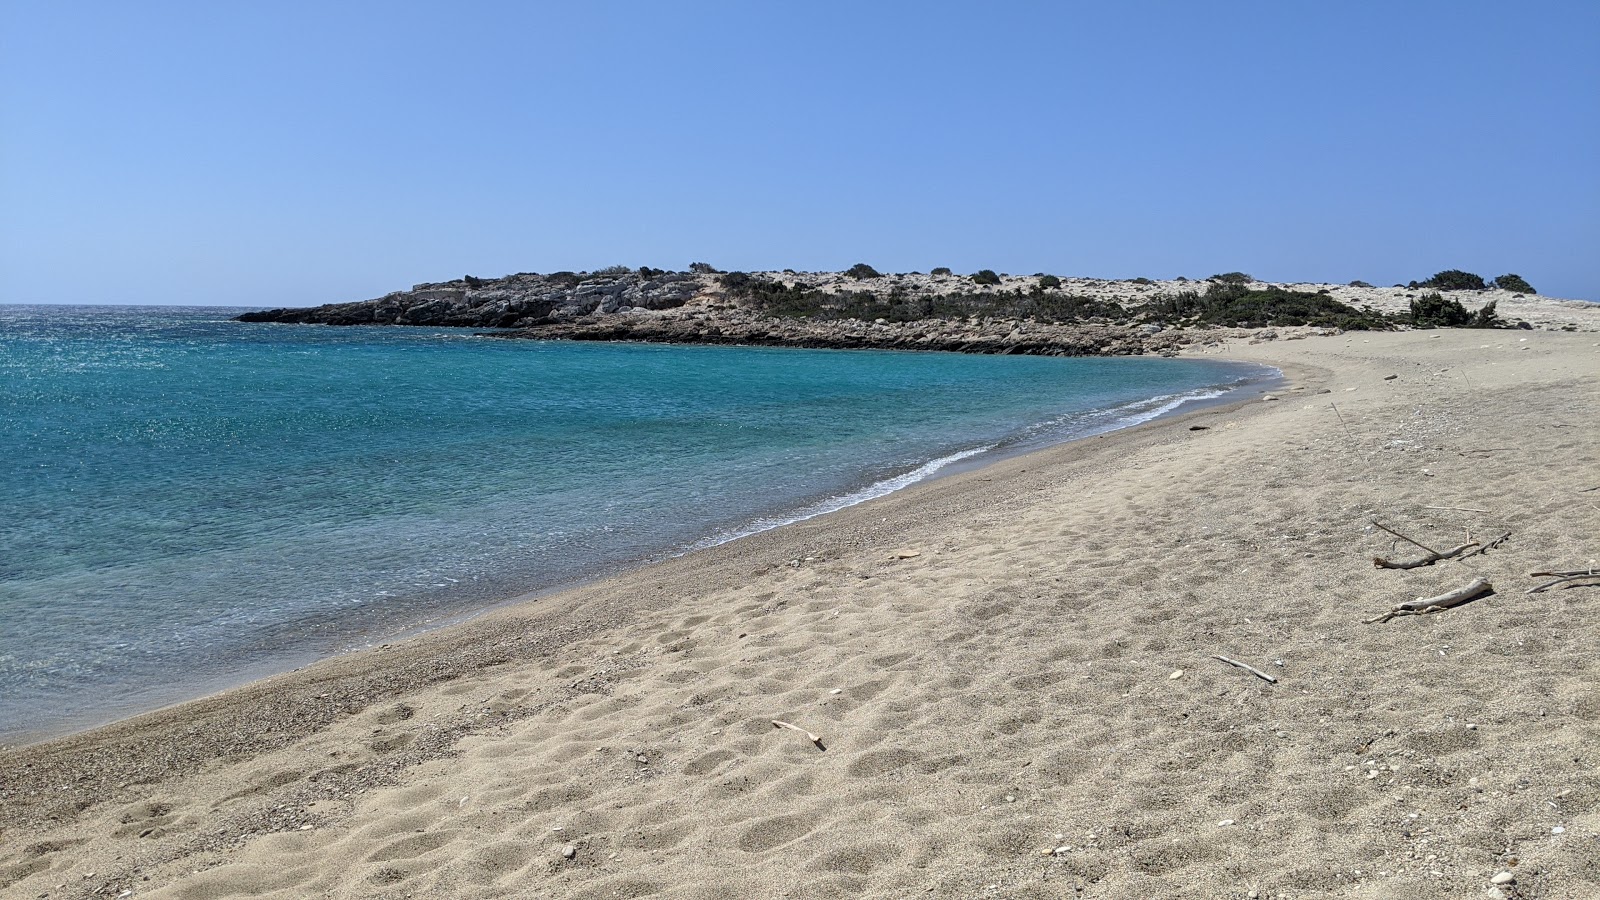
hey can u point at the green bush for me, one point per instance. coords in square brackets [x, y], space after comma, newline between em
[473, 281]
[1451, 280]
[1487, 318]
[1141, 281]
[985, 276]
[1360, 284]
[1514, 283]
[1049, 281]
[648, 273]
[1232, 278]
[862, 270]
[940, 270]
[1433, 310]
[613, 270]
[1237, 306]
[700, 268]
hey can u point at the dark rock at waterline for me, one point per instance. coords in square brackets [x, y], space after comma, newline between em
[516, 301]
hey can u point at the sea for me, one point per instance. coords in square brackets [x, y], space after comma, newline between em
[188, 502]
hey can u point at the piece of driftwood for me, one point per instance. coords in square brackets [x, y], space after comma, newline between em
[1560, 578]
[1402, 537]
[809, 736]
[1428, 560]
[1424, 605]
[1245, 666]
[1494, 544]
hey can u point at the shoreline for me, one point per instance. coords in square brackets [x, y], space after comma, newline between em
[966, 461]
[999, 661]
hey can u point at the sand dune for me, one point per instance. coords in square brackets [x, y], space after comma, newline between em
[1011, 672]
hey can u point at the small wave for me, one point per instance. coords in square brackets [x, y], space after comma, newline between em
[1065, 428]
[872, 491]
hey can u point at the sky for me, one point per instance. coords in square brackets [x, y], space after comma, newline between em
[291, 154]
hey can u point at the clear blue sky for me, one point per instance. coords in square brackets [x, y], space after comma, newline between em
[298, 153]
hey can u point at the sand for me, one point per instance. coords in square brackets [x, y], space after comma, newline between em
[1011, 671]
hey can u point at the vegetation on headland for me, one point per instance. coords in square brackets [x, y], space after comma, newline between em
[863, 294]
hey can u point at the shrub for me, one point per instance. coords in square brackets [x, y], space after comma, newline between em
[1514, 283]
[473, 281]
[1452, 280]
[940, 270]
[648, 273]
[985, 276]
[564, 278]
[1232, 278]
[1487, 318]
[700, 268]
[1433, 310]
[738, 282]
[860, 271]
[1360, 284]
[1049, 281]
[613, 270]
[1141, 281]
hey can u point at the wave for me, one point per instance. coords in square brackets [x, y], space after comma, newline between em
[1073, 426]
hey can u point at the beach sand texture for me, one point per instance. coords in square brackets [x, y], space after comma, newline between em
[1011, 671]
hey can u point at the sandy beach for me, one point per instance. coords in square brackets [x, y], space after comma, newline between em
[1010, 672]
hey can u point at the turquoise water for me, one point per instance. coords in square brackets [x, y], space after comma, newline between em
[187, 501]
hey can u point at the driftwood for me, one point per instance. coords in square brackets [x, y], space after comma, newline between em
[809, 736]
[1248, 668]
[1428, 560]
[1424, 605]
[1492, 544]
[1432, 557]
[1561, 578]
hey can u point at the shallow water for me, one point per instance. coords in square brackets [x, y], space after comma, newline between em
[186, 501]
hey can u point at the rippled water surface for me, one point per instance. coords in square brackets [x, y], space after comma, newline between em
[186, 501]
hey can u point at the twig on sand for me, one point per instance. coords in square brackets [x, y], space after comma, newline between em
[1346, 426]
[1457, 508]
[1428, 560]
[1424, 605]
[1404, 538]
[1560, 578]
[1494, 544]
[1245, 666]
[1432, 554]
[809, 736]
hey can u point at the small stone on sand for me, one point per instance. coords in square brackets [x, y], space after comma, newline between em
[1176, 675]
[1503, 878]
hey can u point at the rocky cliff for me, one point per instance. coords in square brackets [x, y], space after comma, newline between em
[515, 301]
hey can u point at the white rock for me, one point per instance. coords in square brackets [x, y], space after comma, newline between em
[1503, 878]
[1176, 675]
[569, 851]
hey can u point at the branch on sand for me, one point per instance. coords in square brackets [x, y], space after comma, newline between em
[809, 736]
[1432, 557]
[1561, 578]
[1424, 605]
[1248, 668]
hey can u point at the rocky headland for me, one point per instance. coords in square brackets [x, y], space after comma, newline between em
[985, 313]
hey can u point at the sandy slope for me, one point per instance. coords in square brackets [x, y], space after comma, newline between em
[991, 661]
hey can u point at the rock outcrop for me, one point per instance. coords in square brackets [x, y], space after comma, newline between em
[736, 326]
[1118, 318]
[515, 301]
